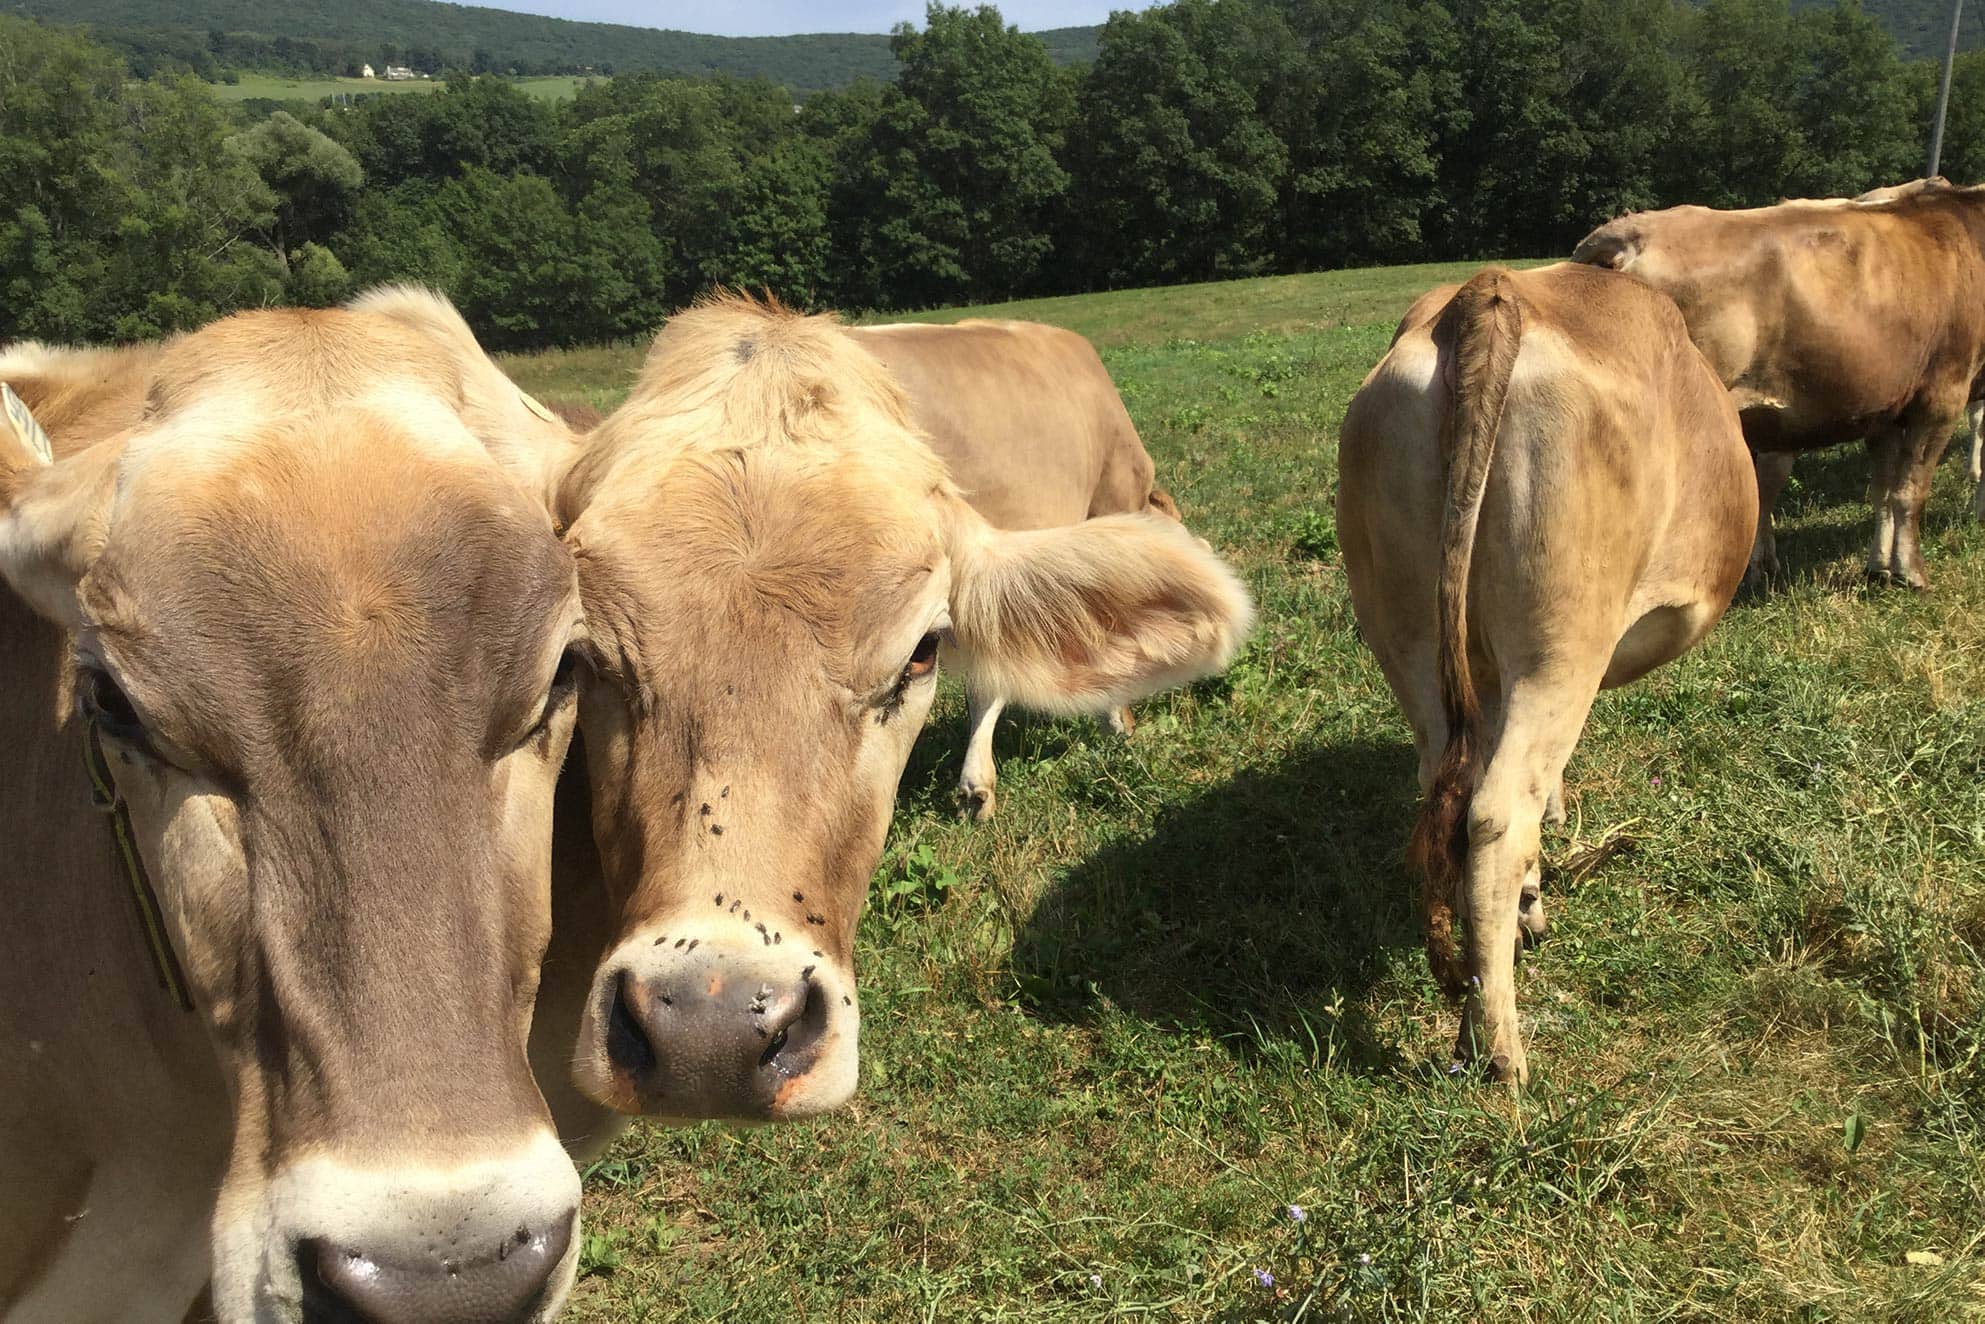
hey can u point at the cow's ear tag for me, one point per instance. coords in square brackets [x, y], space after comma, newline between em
[532, 403]
[22, 423]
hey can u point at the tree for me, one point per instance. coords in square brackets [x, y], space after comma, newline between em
[1361, 93]
[534, 272]
[313, 180]
[184, 250]
[1861, 114]
[1964, 133]
[60, 119]
[1177, 173]
[951, 193]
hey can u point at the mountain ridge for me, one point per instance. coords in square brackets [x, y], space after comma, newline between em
[329, 37]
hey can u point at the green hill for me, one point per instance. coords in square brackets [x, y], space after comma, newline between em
[333, 36]
[1920, 26]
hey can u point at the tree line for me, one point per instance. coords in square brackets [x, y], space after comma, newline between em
[1208, 139]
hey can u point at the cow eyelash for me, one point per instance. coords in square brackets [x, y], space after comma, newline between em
[922, 664]
[564, 682]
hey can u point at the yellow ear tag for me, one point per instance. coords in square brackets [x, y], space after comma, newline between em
[532, 403]
[23, 424]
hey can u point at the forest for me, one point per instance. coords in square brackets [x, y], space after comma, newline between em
[1207, 139]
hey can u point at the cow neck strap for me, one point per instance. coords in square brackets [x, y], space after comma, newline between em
[104, 796]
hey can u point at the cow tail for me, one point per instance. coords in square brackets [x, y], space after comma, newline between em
[1478, 335]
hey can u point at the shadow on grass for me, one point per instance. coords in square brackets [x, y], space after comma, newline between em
[1827, 519]
[1261, 911]
[937, 760]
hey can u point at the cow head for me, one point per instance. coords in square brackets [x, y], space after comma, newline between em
[772, 563]
[318, 631]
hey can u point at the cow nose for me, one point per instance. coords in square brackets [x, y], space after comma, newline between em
[506, 1283]
[704, 1041]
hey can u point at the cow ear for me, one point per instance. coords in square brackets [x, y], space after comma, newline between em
[52, 514]
[1090, 616]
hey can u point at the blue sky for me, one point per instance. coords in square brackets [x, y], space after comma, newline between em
[761, 18]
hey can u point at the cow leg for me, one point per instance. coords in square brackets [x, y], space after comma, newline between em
[1914, 469]
[1542, 724]
[976, 799]
[1974, 420]
[1530, 902]
[1120, 721]
[1887, 457]
[1774, 469]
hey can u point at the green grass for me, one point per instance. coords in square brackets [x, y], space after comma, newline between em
[275, 87]
[1176, 987]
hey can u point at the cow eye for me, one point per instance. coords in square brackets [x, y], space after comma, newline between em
[924, 660]
[104, 702]
[563, 681]
[566, 676]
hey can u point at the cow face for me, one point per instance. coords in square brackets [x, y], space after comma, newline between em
[322, 654]
[771, 564]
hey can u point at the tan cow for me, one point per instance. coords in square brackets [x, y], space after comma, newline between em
[1828, 324]
[1543, 492]
[771, 560]
[1032, 431]
[310, 631]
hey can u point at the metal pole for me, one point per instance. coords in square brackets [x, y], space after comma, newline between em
[1944, 95]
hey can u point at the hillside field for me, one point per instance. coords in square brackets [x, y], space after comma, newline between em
[276, 87]
[1176, 987]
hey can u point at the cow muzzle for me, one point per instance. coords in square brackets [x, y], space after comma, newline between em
[489, 1243]
[718, 1031]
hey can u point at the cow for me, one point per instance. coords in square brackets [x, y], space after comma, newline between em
[1543, 491]
[1908, 188]
[286, 643]
[771, 562]
[1827, 324]
[1032, 431]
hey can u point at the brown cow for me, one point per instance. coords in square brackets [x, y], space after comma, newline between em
[282, 582]
[771, 561]
[1032, 430]
[1830, 323]
[1542, 492]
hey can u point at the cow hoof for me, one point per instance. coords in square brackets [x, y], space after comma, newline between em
[976, 803]
[1120, 722]
[1914, 580]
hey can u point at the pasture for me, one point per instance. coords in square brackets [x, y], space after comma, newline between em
[1176, 987]
[276, 87]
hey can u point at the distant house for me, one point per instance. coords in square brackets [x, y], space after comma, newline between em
[399, 73]
[365, 71]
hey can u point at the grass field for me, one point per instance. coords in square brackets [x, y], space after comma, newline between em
[1176, 988]
[277, 88]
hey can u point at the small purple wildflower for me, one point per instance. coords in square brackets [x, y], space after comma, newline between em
[1364, 1257]
[1297, 1214]
[1263, 1278]
[1455, 1068]
[1655, 781]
